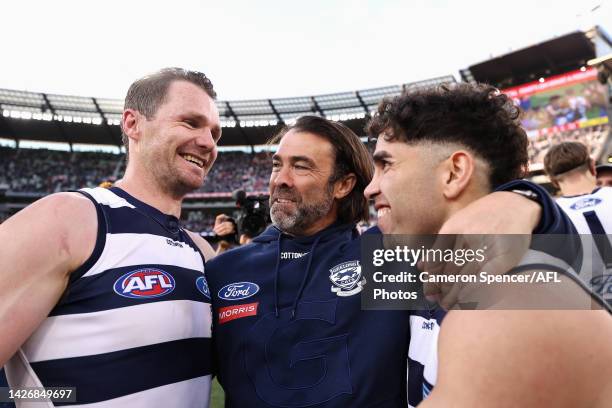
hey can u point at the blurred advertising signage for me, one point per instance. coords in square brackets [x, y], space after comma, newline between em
[560, 103]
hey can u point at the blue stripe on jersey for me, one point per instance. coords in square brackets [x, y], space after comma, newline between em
[416, 382]
[599, 236]
[427, 387]
[122, 221]
[112, 375]
[91, 293]
[100, 242]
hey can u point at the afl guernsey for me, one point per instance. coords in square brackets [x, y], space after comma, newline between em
[133, 328]
[591, 214]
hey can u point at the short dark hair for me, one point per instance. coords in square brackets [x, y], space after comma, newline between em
[476, 116]
[564, 157]
[148, 93]
[351, 156]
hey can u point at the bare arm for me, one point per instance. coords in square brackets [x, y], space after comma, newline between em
[41, 246]
[523, 359]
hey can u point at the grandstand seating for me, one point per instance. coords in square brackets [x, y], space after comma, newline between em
[49, 171]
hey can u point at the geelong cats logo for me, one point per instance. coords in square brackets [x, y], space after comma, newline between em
[346, 278]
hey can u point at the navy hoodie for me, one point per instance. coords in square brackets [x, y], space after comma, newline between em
[286, 336]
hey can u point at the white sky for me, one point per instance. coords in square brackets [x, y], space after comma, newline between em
[269, 48]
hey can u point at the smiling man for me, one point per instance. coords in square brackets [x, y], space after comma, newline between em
[289, 329]
[102, 289]
[438, 150]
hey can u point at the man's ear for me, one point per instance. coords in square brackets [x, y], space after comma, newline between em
[458, 170]
[130, 123]
[344, 186]
[592, 167]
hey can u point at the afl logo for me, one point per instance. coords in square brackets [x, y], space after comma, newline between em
[144, 283]
[585, 203]
[202, 286]
[238, 291]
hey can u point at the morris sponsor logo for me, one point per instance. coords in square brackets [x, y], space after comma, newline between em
[144, 283]
[585, 203]
[227, 314]
[238, 291]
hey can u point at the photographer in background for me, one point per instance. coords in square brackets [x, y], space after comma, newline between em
[251, 219]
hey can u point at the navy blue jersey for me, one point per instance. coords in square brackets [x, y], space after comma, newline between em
[289, 329]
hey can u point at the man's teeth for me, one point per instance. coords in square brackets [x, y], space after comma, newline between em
[383, 211]
[282, 200]
[193, 160]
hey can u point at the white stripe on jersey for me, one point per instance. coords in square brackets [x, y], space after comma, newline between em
[600, 202]
[68, 331]
[424, 345]
[164, 396]
[131, 249]
[107, 197]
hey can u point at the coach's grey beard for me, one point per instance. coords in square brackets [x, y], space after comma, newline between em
[296, 222]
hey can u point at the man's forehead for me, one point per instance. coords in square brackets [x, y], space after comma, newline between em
[304, 144]
[188, 95]
[388, 146]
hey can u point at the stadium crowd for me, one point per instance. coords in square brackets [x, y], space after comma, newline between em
[49, 171]
[594, 137]
[43, 171]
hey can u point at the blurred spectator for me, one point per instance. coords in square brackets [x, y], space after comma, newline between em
[604, 175]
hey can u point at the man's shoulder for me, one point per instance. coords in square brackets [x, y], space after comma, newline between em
[66, 205]
[239, 254]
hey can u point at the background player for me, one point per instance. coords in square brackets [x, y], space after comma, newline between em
[604, 175]
[589, 207]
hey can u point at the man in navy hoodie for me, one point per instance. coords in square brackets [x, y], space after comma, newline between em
[288, 325]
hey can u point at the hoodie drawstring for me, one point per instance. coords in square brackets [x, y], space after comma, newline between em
[305, 278]
[276, 274]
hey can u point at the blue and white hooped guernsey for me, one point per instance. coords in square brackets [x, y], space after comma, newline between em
[133, 327]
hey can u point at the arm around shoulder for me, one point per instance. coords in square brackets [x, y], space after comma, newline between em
[41, 245]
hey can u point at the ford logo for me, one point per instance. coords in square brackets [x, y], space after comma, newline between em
[238, 291]
[585, 203]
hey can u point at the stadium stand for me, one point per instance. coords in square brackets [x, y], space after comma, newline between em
[28, 174]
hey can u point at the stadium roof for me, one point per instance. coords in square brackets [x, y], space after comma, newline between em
[76, 119]
[556, 56]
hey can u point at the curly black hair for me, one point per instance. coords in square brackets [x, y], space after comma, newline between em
[476, 116]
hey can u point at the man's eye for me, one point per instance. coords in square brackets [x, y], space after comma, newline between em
[384, 164]
[189, 123]
[275, 165]
[297, 166]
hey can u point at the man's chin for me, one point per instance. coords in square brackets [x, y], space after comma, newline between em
[385, 226]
